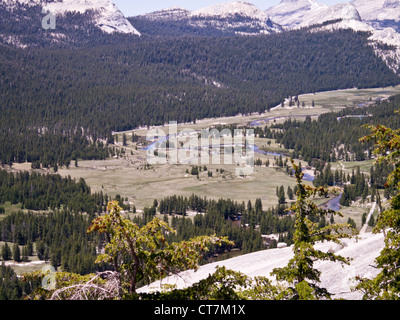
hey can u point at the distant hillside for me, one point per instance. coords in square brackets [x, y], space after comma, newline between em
[377, 17]
[188, 78]
[150, 81]
[226, 19]
[21, 26]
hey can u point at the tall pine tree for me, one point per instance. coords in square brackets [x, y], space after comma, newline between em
[300, 274]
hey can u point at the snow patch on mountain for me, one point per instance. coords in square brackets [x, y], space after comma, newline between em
[388, 36]
[338, 279]
[13, 41]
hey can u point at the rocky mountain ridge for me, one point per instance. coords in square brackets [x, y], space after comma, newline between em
[380, 18]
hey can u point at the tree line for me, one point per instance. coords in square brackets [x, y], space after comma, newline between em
[12, 288]
[36, 191]
[242, 223]
[58, 238]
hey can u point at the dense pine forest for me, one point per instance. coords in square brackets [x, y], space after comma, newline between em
[225, 217]
[60, 238]
[11, 287]
[71, 99]
[49, 192]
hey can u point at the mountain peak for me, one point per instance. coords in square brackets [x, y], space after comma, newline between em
[393, 4]
[234, 17]
[302, 3]
[228, 9]
[173, 13]
[292, 13]
[294, 1]
[372, 10]
[107, 16]
[345, 11]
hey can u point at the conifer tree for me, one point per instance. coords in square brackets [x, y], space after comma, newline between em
[16, 253]
[25, 253]
[124, 140]
[290, 193]
[386, 284]
[300, 274]
[281, 195]
[5, 252]
[143, 254]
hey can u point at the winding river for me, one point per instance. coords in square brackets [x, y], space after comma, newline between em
[333, 204]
